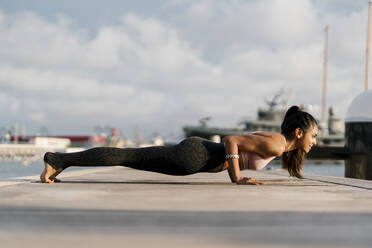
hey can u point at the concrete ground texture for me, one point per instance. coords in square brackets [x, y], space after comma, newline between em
[122, 207]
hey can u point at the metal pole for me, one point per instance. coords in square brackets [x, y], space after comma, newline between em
[325, 76]
[368, 41]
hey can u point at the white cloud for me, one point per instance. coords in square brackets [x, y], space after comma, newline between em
[201, 9]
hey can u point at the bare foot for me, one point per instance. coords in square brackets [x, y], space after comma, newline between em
[49, 174]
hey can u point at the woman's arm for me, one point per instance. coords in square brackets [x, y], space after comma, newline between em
[231, 147]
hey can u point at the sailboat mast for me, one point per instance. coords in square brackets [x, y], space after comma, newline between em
[325, 76]
[368, 41]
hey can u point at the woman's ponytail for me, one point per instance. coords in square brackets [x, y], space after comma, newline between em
[295, 118]
[292, 111]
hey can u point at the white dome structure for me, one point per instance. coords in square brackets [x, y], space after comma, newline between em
[360, 109]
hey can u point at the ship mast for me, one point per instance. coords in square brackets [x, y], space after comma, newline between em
[325, 80]
[368, 41]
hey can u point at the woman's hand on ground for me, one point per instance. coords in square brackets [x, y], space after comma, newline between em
[249, 180]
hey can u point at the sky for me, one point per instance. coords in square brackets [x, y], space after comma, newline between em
[154, 66]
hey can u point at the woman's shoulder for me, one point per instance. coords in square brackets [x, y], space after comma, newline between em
[272, 135]
[276, 141]
[267, 144]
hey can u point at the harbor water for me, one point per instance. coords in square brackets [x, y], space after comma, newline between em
[11, 170]
[329, 168]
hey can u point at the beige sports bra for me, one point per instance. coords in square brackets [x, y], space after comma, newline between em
[253, 161]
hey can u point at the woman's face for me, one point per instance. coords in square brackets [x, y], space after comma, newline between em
[307, 139]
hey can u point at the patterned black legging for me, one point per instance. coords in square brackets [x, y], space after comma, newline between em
[190, 156]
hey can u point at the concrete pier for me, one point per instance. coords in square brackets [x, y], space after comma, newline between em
[121, 207]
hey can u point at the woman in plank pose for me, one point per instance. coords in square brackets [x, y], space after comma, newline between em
[193, 155]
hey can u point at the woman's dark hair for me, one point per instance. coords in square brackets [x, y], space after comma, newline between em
[295, 118]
